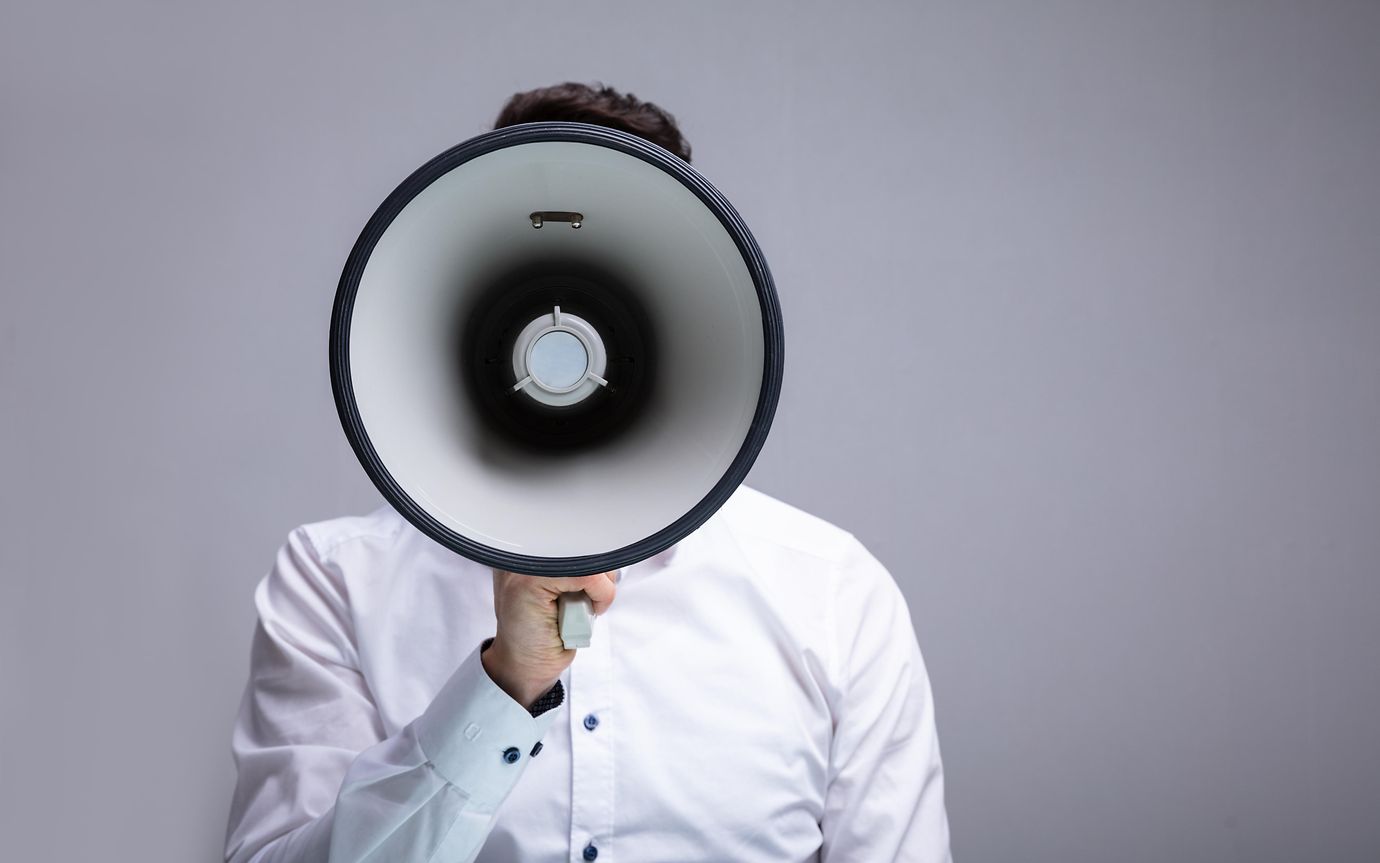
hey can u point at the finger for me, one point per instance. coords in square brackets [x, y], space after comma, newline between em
[599, 588]
[503, 577]
[516, 584]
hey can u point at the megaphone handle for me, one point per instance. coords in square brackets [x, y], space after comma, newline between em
[576, 614]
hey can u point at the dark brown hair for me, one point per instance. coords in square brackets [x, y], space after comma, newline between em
[600, 105]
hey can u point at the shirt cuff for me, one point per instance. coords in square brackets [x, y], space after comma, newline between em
[476, 736]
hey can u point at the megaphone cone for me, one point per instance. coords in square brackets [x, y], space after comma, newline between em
[556, 349]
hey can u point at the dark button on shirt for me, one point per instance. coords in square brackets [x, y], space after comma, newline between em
[591, 723]
[535, 749]
[591, 852]
[511, 754]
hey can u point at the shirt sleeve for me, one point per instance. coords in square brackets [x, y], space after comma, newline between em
[885, 793]
[317, 778]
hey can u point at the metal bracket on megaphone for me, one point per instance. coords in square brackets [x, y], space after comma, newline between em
[541, 217]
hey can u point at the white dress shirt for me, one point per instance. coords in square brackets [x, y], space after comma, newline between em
[755, 693]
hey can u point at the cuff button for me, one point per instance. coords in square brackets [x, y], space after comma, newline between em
[511, 754]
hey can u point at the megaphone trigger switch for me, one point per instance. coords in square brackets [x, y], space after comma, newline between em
[559, 359]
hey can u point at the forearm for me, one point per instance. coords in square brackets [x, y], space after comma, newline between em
[427, 792]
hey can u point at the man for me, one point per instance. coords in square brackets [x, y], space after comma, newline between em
[755, 692]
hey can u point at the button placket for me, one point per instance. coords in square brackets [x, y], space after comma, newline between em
[592, 728]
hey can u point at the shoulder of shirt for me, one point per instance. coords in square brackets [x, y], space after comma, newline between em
[798, 557]
[754, 516]
[384, 526]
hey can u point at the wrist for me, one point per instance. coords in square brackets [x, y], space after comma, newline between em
[523, 683]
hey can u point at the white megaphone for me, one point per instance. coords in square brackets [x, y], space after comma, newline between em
[556, 350]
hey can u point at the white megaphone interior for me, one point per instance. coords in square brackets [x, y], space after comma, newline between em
[640, 224]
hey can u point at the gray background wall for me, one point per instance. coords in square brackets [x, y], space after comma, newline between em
[1122, 259]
